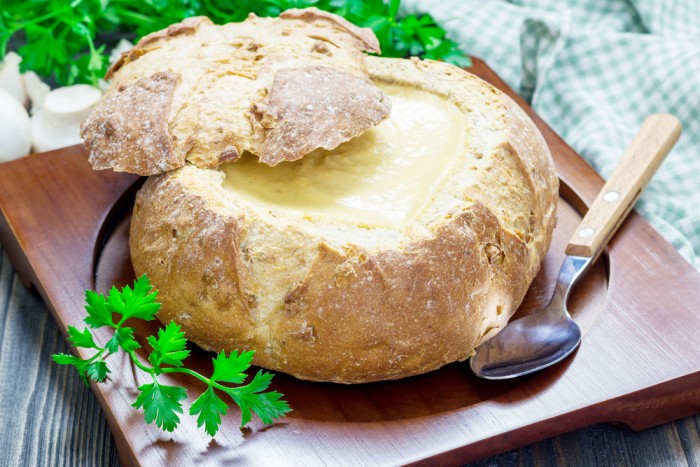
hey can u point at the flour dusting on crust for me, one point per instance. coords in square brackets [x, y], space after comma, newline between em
[127, 131]
[317, 107]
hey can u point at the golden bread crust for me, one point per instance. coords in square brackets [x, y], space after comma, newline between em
[364, 35]
[334, 107]
[224, 77]
[139, 109]
[385, 304]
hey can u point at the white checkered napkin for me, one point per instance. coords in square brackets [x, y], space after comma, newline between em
[540, 43]
[594, 69]
[596, 95]
[486, 29]
[599, 15]
[679, 19]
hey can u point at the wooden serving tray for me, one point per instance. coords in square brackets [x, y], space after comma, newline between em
[65, 229]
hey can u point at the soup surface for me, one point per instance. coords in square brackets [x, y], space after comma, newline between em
[382, 177]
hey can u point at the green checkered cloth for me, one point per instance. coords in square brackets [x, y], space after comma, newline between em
[593, 70]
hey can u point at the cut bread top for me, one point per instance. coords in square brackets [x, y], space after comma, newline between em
[196, 92]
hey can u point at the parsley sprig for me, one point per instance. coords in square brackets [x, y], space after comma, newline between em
[161, 403]
[63, 38]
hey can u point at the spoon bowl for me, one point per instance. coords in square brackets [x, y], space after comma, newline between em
[537, 340]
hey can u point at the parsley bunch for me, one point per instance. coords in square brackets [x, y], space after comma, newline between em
[161, 403]
[60, 37]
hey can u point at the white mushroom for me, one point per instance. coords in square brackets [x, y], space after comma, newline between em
[15, 138]
[10, 79]
[122, 46]
[35, 89]
[57, 124]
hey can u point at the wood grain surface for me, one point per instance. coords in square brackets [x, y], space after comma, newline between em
[58, 421]
[637, 365]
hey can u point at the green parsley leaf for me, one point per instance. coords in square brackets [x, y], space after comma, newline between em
[98, 314]
[98, 61]
[394, 7]
[65, 359]
[77, 362]
[97, 371]
[81, 339]
[138, 302]
[250, 398]
[124, 338]
[269, 406]
[210, 409]
[161, 404]
[231, 369]
[169, 347]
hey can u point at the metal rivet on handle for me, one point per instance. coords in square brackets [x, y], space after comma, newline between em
[611, 196]
[586, 232]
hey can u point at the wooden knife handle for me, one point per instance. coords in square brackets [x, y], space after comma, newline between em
[649, 148]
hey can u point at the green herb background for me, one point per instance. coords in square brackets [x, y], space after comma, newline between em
[65, 40]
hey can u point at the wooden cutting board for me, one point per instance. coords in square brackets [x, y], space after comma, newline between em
[65, 228]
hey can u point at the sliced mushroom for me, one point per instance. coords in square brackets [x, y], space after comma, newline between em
[10, 79]
[57, 124]
[35, 89]
[15, 138]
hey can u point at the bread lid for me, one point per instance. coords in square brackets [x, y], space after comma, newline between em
[196, 92]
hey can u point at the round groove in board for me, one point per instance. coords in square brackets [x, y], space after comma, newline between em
[450, 388]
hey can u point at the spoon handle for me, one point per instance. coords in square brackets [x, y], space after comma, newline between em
[650, 146]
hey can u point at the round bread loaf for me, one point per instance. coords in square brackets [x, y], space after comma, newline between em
[392, 255]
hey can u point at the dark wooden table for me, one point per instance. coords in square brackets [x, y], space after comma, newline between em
[49, 417]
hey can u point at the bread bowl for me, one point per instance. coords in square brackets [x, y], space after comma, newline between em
[395, 253]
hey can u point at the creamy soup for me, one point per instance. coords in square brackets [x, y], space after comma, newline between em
[382, 177]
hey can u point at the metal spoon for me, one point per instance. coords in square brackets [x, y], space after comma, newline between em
[548, 336]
